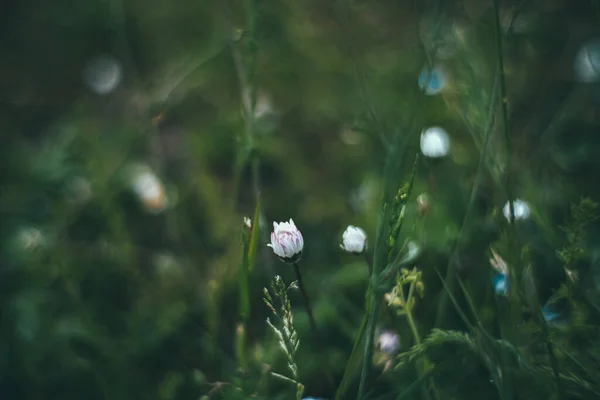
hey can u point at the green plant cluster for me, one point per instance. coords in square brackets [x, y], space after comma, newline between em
[135, 220]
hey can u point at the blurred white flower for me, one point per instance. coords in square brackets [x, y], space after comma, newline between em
[435, 142]
[103, 74]
[389, 342]
[247, 222]
[521, 210]
[354, 240]
[412, 251]
[286, 241]
[30, 238]
[587, 62]
[150, 191]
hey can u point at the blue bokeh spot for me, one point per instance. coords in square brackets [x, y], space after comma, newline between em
[500, 283]
[431, 80]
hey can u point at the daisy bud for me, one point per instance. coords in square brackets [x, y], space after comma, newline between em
[248, 223]
[354, 240]
[286, 241]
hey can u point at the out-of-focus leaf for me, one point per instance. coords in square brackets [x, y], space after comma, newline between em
[254, 236]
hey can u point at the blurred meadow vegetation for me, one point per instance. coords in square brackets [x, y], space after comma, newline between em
[312, 110]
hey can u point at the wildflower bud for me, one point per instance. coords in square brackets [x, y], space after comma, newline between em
[435, 142]
[286, 241]
[354, 240]
[423, 204]
[248, 223]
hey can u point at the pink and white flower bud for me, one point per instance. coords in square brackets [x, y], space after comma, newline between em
[354, 240]
[286, 241]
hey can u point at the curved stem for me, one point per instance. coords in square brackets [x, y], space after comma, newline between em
[369, 263]
[311, 318]
[313, 325]
[368, 355]
[449, 278]
[408, 312]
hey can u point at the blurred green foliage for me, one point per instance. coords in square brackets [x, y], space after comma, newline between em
[108, 292]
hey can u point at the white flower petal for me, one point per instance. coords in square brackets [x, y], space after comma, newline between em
[286, 240]
[354, 240]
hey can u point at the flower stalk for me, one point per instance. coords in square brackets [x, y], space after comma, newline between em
[307, 305]
[404, 304]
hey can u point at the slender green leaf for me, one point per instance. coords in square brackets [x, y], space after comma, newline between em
[453, 300]
[354, 360]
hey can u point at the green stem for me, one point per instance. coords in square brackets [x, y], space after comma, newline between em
[311, 318]
[369, 263]
[422, 366]
[515, 273]
[370, 342]
[550, 349]
[313, 325]
[348, 371]
[449, 278]
[408, 312]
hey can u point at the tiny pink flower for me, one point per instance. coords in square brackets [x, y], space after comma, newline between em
[286, 241]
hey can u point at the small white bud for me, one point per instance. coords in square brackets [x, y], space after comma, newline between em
[286, 241]
[435, 142]
[354, 240]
